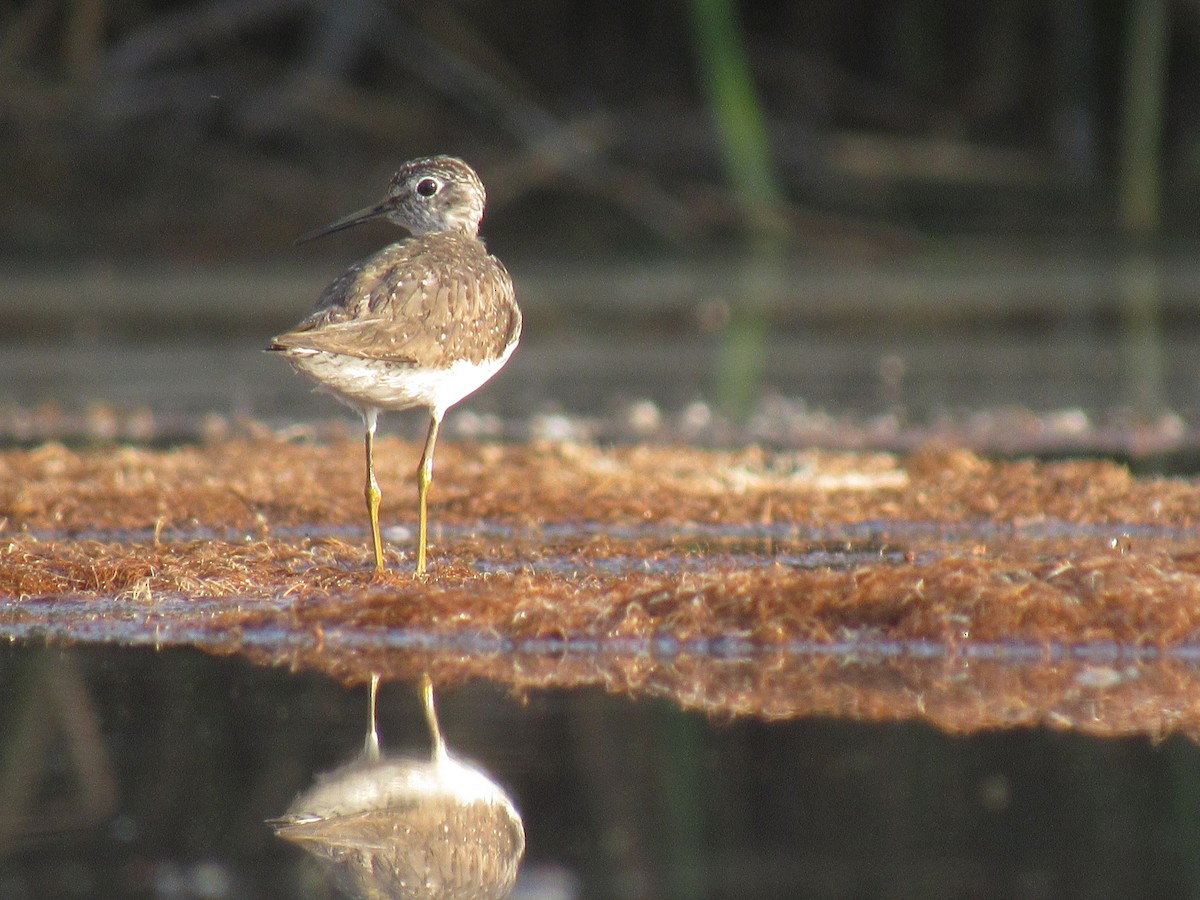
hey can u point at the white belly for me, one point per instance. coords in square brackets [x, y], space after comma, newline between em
[378, 384]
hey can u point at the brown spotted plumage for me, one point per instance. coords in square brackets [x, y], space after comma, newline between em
[423, 322]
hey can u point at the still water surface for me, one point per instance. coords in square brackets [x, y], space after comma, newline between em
[143, 773]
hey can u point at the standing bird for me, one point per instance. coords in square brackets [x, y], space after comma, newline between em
[423, 322]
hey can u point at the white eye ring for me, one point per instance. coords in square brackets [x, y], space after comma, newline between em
[427, 187]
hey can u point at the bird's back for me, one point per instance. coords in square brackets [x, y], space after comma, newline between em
[428, 301]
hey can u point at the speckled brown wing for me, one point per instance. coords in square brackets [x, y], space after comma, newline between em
[427, 301]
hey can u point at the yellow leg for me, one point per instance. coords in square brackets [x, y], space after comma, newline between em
[424, 477]
[372, 492]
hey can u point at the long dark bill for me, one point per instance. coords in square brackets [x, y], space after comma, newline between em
[355, 218]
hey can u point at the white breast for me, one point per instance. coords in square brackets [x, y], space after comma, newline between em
[364, 383]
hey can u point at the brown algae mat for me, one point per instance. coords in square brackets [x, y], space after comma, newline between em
[971, 592]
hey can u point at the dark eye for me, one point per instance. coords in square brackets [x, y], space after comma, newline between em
[427, 187]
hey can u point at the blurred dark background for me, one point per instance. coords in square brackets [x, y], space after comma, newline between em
[216, 131]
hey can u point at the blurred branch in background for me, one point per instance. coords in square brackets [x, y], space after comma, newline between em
[1143, 100]
[741, 127]
[551, 147]
[1140, 191]
[445, 53]
[737, 113]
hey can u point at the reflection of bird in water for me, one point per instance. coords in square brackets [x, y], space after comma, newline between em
[404, 827]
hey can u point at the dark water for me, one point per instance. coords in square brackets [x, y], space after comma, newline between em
[923, 375]
[919, 338]
[136, 773]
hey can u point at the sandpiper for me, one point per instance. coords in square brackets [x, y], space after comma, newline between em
[423, 322]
